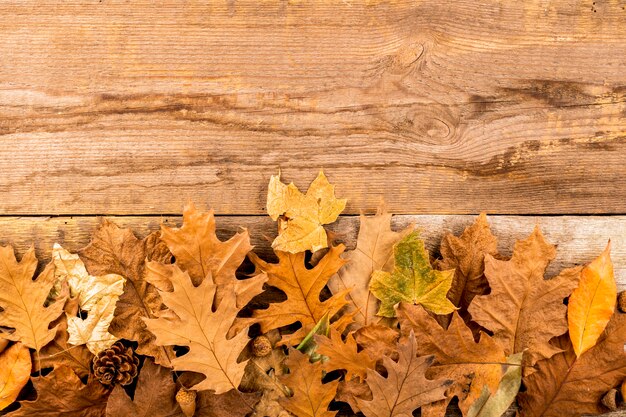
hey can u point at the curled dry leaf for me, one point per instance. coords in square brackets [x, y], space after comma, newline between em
[591, 305]
[24, 301]
[413, 280]
[304, 214]
[15, 366]
[117, 251]
[302, 287]
[203, 331]
[95, 295]
[373, 252]
[406, 387]
[524, 311]
[310, 397]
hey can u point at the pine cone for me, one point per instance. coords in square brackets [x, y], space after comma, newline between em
[115, 365]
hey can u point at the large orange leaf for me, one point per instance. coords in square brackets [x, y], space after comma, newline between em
[591, 305]
[15, 368]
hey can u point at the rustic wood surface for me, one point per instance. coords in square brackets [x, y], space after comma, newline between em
[117, 107]
[580, 238]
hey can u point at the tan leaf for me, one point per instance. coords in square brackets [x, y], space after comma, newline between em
[310, 397]
[378, 341]
[406, 386]
[200, 253]
[567, 386]
[523, 310]
[349, 391]
[96, 295]
[203, 331]
[117, 251]
[305, 213]
[471, 365]
[15, 369]
[343, 355]
[373, 252]
[23, 300]
[302, 287]
[58, 353]
[63, 392]
[591, 305]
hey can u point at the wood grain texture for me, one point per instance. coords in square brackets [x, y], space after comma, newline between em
[580, 238]
[117, 107]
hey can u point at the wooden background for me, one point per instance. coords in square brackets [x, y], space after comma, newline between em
[445, 109]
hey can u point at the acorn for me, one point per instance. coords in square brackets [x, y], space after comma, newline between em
[187, 401]
[261, 346]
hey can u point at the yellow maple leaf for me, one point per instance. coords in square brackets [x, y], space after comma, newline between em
[301, 227]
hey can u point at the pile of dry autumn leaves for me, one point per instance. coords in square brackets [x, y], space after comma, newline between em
[163, 327]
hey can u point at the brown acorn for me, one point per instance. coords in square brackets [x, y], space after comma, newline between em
[261, 346]
[187, 401]
[115, 365]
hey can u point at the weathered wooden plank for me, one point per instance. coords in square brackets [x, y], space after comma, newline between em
[442, 107]
[580, 238]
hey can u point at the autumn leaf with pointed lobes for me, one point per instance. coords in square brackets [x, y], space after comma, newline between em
[472, 365]
[591, 305]
[199, 252]
[373, 252]
[305, 214]
[567, 386]
[413, 280]
[15, 366]
[344, 355]
[154, 396]
[23, 300]
[95, 295]
[58, 353]
[61, 393]
[310, 397]
[523, 310]
[465, 254]
[378, 341]
[406, 387]
[203, 331]
[117, 251]
[302, 287]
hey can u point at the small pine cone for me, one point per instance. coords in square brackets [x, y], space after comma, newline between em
[115, 365]
[261, 346]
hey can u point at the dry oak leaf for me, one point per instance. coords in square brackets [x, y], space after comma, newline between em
[471, 365]
[413, 280]
[349, 391]
[373, 252]
[61, 393]
[378, 341]
[301, 227]
[302, 287]
[58, 352]
[15, 366]
[154, 396]
[199, 252]
[406, 386]
[310, 397]
[192, 323]
[466, 254]
[95, 295]
[591, 305]
[524, 311]
[23, 300]
[567, 386]
[343, 355]
[118, 251]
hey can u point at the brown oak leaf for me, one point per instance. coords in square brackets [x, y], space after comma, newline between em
[302, 287]
[192, 323]
[523, 310]
[343, 355]
[23, 300]
[61, 393]
[198, 251]
[378, 341]
[59, 352]
[466, 255]
[471, 365]
[310, 397]
[373, 252]
[118, 251]
[566, 386]
[406, 387]
[154, 396]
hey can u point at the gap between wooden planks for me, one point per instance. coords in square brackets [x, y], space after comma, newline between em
[579, 238]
